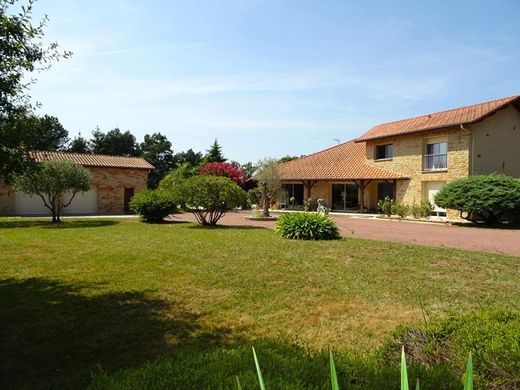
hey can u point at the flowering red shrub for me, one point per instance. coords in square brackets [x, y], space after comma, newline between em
[224, 169]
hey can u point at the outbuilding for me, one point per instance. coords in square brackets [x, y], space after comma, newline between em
[115, 179]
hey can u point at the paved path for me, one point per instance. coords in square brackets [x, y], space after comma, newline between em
[444, 235]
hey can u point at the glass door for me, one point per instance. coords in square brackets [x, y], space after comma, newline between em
[344, 197]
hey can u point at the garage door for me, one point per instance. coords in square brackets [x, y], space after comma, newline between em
[431, 189]
[29, 205]
[83, 203]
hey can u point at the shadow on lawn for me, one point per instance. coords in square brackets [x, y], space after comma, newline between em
[65, 224]
[226, 227]
[53, 337]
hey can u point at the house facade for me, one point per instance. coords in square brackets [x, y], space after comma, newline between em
[409, 160]
[115, 179]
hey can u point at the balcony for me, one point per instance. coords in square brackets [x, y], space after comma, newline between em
[435, 162]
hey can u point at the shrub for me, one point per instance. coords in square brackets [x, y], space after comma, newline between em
[307, 226]
[210, 197]
[400, 209]
[224, 169]
[488, 199]
[311, 205]
[492, 336]
[385, 206]
[153, 205]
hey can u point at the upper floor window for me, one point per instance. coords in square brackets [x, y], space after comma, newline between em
[436, 156]
[384, 151]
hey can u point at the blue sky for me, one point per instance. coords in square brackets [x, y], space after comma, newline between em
[270, 78]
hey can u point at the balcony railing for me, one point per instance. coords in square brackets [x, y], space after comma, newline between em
[435, 162]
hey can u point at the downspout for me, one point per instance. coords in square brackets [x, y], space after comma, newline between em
[472, 148]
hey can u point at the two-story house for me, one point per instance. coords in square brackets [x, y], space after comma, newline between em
[409, 160]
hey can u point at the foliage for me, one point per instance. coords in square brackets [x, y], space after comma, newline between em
[269, 182]
[157, 150]
[224, 169]
[400, 209]
[210, 197]
[46, 132]
[307, 226]
[189, 157]
[79, 144]
[55, 182]
[176, 176]
[249, 168]
[22, 52]
[287, 159]
[311, 204]
[385, 206]
[153, 205]
[214, 154]
[114, 142]
[492, 335]
[486, 198]
[422, 210]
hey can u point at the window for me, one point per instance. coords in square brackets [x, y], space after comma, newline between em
[293, 195]
[436, 156]
[384, 151]
[385, 190]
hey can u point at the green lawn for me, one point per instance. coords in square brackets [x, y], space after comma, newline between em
[102, 295]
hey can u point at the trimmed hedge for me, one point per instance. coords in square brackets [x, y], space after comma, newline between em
[153, 205]
[307, 226]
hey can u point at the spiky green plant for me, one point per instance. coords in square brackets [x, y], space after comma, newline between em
[239, 386]
[258, 371]
[404, 374]
[333, 374]
[468, 381]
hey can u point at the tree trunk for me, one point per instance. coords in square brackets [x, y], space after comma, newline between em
[267, 201]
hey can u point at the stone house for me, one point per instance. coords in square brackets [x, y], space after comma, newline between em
[409, 160]
[115, 179]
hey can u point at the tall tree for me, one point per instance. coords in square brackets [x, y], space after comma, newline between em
[189, 156]
[47, 133]
[114, 142]
[22, 52]
[157, 150]
[79, 144]
[214, 153]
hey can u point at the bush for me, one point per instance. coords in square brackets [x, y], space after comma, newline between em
[385, 206]
[307, 226]
[492, 336]
[153, 205]
[210, 197]
[422, 210]
[400, 209]
[224, 169]
[488, 199]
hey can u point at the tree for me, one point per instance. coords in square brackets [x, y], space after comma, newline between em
[79, 145]
[287, 159]
[483, 198]
[269, 182]
[55, 182]
[156, 149]
[214, 153]
[224, 169]
[46, 132]
[176, 176]
[210, 197]
[114, 142]
[22, 52]
[190, 157]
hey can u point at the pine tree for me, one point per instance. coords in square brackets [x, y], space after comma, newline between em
[214, 154]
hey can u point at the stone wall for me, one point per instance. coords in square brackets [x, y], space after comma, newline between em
[111, 184]
[407, 159]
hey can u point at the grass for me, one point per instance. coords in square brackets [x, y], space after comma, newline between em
[102, 295]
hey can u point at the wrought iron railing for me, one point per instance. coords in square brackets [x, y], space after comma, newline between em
[435, 162]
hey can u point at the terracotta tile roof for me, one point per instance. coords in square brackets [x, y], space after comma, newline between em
[342, 162]
[438, 120]
[94, 160]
